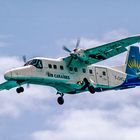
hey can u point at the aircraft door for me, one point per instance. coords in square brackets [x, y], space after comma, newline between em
[101, 76]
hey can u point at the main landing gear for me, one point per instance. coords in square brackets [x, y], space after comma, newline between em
[20, 89]
[60, 99]
[91, 89]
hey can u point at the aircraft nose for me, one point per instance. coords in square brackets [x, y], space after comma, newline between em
[8, 75]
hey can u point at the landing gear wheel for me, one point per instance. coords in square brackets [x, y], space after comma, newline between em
[60, 100]
[20, 89]
[91, 89]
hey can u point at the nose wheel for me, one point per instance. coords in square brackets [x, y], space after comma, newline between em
[20, 89]
[60, 99]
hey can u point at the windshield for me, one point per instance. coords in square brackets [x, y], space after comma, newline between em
[35, 62]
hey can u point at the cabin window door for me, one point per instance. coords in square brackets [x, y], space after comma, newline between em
[101, 76]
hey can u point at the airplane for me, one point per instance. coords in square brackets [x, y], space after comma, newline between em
[77, 72]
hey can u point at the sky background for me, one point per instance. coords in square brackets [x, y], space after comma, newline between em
[41, 28]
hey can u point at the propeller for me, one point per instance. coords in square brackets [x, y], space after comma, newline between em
[76, 47]
[72, 53]
[70, 62]
[77, 44]
[66, 49]
[24, 58]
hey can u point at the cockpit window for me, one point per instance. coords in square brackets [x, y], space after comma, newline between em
[35, 62]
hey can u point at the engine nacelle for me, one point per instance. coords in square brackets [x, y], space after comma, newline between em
[79, 54]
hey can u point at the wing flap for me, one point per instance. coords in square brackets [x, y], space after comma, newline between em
[105, 55]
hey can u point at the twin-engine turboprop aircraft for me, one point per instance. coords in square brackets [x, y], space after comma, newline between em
[75, 74]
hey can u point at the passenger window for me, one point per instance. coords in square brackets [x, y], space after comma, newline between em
[104, 73]
[50, 66]
[61, 67]
[54, 66]
[75, 69]
[90, 71]
[84, 70]
[71, 69]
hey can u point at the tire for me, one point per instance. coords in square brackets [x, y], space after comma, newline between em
[60, 100]
[18, 90]
[91, 89]
[21, 89]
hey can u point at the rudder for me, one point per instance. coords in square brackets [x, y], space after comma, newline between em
[133, 61]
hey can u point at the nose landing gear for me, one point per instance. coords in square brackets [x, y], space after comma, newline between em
[20, 89]
[60, 99]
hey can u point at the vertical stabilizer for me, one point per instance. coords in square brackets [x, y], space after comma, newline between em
[133, 61]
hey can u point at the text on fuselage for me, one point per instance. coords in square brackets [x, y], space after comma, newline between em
[61, 76]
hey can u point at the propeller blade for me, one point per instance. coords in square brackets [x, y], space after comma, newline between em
[70, 62]
[24, 59]
[66, 49]
[78, 43]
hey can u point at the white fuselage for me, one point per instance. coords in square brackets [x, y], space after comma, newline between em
[55, 73]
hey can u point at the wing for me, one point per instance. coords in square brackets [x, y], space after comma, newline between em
[8, 85]
[103, 52]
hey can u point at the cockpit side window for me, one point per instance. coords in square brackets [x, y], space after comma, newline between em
[28, 63]
[35, 62]
[39, 64]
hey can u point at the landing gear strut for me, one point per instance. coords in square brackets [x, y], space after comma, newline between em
[91, 89]
[20, 89]
[60, 99]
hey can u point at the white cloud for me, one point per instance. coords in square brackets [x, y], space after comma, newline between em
[84, 42]
[12, 104]
[116, 34]
[103, 116]
[89, 42]
[88, 124]
[8, 62]
[93, 42]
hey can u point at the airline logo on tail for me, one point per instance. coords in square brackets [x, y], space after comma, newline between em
[134, 65]
[133, 61]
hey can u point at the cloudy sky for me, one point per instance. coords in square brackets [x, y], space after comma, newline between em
[41, 28]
